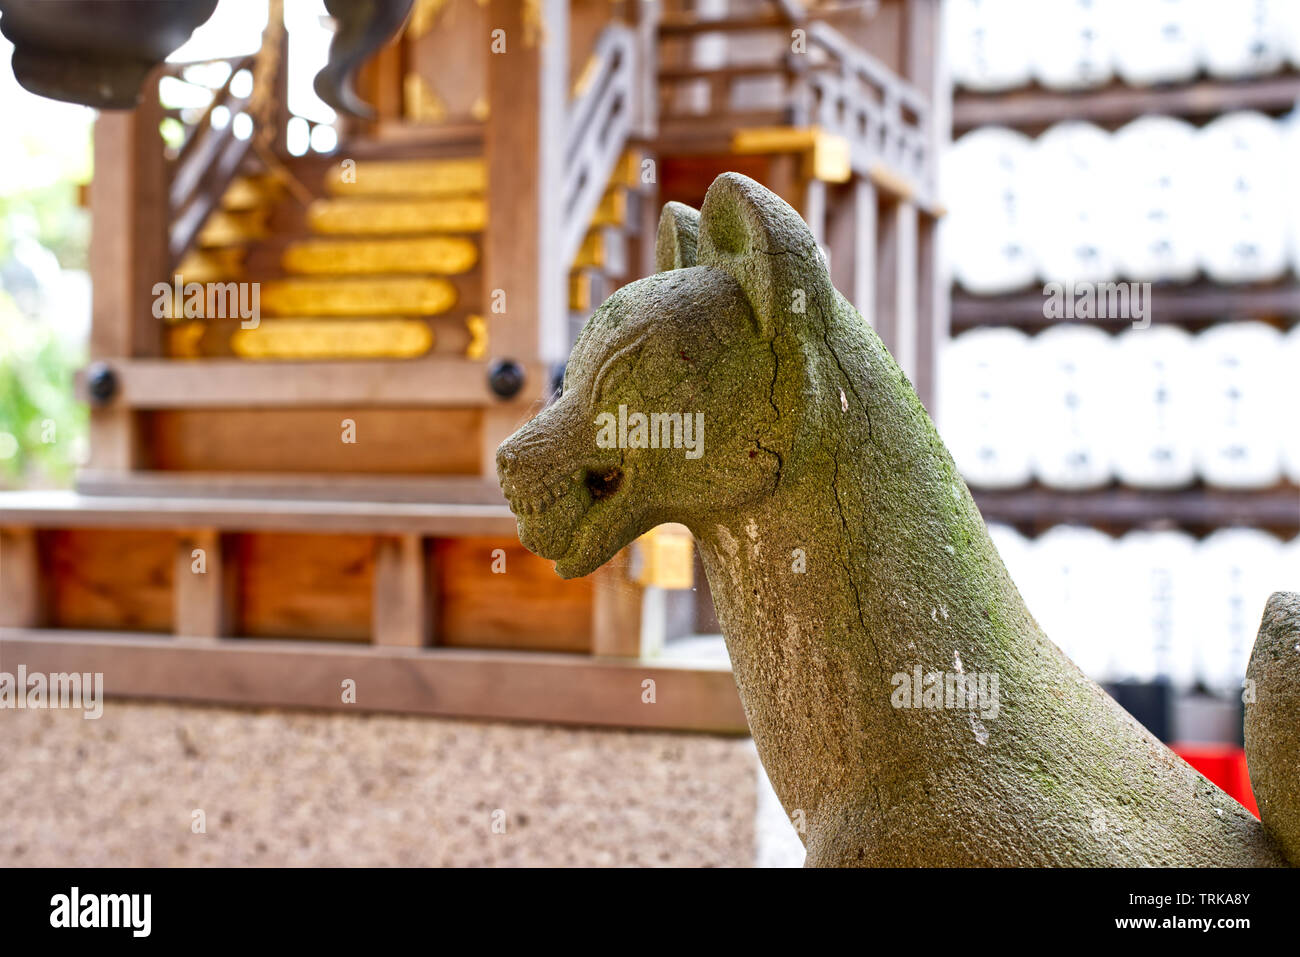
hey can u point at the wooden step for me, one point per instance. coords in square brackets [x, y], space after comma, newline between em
[252, 192]
[390, 296]
[233, 228]
[371, 217]
[444, 177]
[612, 210]
[212, 265]
[302, 339]
[325, 338]
[439, 255]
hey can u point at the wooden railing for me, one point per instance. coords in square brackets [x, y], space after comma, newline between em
[884, 118]
[833, 83]
[597, 129]
[208, 159]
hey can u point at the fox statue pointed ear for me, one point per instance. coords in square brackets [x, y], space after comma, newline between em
[679, 230]
[756, 236]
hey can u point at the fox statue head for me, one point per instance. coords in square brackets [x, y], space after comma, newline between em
[736, 392]
[681, 396]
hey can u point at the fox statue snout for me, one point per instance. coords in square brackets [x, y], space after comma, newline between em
[736, 392]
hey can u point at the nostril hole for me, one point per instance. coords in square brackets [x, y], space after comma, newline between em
[604, 484]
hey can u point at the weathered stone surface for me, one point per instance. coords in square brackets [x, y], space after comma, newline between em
[844, 551]
[1272, 715]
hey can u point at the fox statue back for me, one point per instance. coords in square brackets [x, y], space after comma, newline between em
[854, 577]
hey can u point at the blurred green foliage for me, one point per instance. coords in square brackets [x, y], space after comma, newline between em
[42, 426]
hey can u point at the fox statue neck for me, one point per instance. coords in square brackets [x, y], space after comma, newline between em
[869, 560]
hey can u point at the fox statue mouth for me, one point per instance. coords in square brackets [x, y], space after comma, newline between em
[556, 524]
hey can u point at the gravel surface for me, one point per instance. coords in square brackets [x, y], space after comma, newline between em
[291, 788]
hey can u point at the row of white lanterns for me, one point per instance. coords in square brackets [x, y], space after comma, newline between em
[1152, 604]
[1152, 408]
[1158, 200]
[1077, 44]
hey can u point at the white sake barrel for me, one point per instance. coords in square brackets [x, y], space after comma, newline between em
[987, 43]
[1071, 409]
[1072, 45]
[1153, 41]
[1157, 209]
[1290, 129]
[1073, 598]
[1239, 405]
[983, 406]
[1238, 568]
[1153, 445]
[1242, 229]
[988, 230]
[1242, 37]
[1289, 377]
[1155, 574]
[1073, 203]
[1017, 554]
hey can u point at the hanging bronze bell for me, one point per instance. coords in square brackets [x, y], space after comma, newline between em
[96, 52]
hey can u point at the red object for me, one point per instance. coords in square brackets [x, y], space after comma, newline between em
[1225, 765]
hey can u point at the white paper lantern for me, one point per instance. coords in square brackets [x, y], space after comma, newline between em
[1242, 233]
[1154, 435]
[1017, 555]
[1072, 44]
[1072, 596]
[1157, 208]
[982, 407]
[1243, 37]
[1072, 411]
[1072, 203]
[1238, 568]
[1153, 41]
[1158, 605]
[988, 229]
[1239, 405]
[987, 43]
[1289, 377]
[1290, 129]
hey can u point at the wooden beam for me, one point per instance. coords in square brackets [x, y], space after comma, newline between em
[21, 599]
[518, 686]
[525, 135]
[205, 588]
[896, 282]
[1111, 106]
[70, 510]
[402, 611]
[1037, 507]
[128, 255]
[438, 381]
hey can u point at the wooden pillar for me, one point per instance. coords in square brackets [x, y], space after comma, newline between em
[21, 600]
[616, 612]
[402, 614]
[925, 66]
[851, 236]
[813, 209]
[896, 281]
[524, 140]
[128, 255]
[932, 312]
[205, 586]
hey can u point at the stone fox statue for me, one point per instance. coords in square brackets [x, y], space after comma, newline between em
[846, 558]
